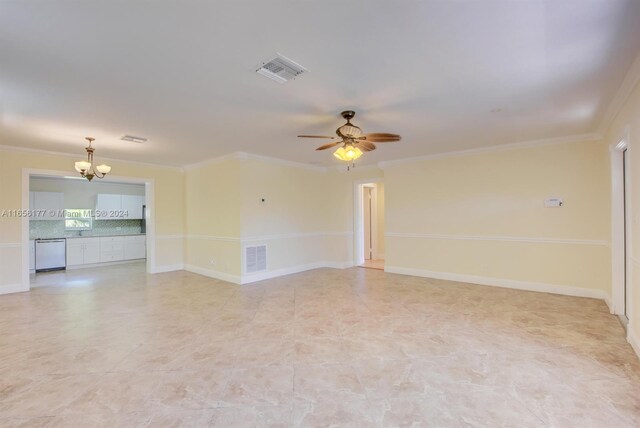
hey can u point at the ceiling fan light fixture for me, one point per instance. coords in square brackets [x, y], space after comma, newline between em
[352, 141]
[348, 153]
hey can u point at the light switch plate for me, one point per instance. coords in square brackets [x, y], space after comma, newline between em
[553, 202]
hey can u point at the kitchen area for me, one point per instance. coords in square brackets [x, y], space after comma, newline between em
[78, 224]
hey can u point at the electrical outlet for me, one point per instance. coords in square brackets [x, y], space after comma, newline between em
[212, 262]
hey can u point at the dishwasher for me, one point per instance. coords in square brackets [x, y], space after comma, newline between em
[51, 254]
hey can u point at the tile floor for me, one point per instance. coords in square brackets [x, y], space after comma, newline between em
[356, 347]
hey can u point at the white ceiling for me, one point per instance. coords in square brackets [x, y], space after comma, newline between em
[181, 73]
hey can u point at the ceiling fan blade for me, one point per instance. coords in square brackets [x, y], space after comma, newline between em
[316, 136]
[366, 146]
[381, 137]
[329, 145]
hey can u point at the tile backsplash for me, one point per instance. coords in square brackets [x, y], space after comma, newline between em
[55, 228]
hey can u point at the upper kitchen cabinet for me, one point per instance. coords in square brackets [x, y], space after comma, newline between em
[108, 207]
[48, 205]
[132, 206]
[119, 207]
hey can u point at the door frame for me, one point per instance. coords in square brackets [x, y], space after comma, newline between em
[358, 220]
[621, 226]
[149, 198]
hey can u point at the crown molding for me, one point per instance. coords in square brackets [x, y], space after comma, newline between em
[629, 83]
[278, 161]
[499, 148]
[212, 161]
[6, 148]
[250, 156]
[381, 165]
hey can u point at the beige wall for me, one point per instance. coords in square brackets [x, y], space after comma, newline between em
[212, 227]
[482, 216]
[294, 199]
[225, 214]
[169, 210]
[628, 118]
[306, 219]
[291, 221]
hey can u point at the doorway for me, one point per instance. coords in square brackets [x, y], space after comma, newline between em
[371, 225]
[71, 231]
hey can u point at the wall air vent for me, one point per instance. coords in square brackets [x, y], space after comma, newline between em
[255, 259]
[281, 69]
[133, 139]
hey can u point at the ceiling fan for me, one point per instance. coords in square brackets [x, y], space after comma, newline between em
[352, 141]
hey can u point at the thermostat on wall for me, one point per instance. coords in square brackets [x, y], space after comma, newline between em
[553, 202]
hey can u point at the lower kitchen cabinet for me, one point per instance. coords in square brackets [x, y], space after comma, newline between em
[135, 247]
[111, 249]
[83, 251]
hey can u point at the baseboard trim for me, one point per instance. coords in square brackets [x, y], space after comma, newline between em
[223, 276]
[609, 302]
[566, 290]
[104, 264]
[339, 265]
[248, 279]
[167, 268]
[12, 288]
[633, 340]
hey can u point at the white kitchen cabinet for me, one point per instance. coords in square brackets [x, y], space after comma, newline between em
[92, 251]
[108, 206]
[50, 205]
[111, 249]
[75, 253]
[135, 247]
[132, 205]
[83, 251]
[32, 254]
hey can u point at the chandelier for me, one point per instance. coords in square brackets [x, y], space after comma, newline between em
[87, 169]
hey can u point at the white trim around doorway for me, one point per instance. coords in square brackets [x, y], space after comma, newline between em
[149, 188]
[620, 234]
[358, 226]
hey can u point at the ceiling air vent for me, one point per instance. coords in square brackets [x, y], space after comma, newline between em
[256, 259]
[133, 139]
[281, 69]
